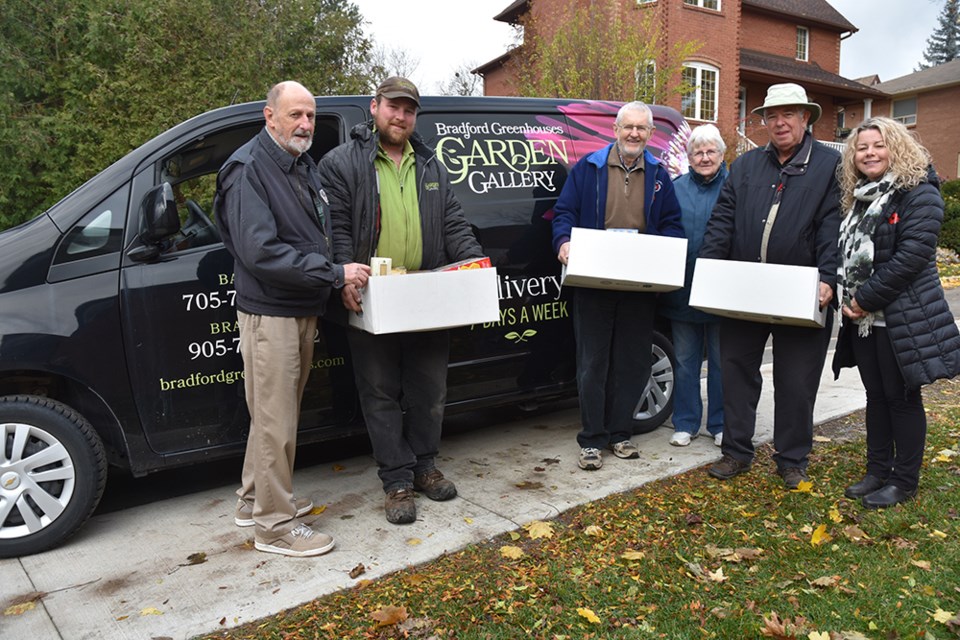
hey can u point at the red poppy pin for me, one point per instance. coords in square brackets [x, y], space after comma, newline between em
[894, 218]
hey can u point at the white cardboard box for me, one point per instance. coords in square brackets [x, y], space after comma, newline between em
[428, 300]
[756, 291]
[625, 261]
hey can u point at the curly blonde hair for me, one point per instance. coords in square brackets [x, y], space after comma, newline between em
[909, 160]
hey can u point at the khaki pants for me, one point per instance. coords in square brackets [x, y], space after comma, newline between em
[277, 354]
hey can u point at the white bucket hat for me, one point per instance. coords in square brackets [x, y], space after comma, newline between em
[789, 94]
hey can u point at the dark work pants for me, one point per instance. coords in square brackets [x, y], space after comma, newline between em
[896, 422]
[798, 357]
[402, 382]
[614, 333]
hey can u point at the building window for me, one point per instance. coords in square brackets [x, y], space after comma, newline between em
[706, 4]
[905, 111]
[803, 43]
[700, 102]
[742, 111]
[645, 75]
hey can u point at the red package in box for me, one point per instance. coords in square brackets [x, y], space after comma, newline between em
[469, 263]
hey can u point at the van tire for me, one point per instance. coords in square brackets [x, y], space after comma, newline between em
[656, 405]
[30, 425]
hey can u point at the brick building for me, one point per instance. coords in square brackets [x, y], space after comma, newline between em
[747, 45]
[926, 102]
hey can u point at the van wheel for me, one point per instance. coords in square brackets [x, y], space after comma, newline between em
[52, 473]
[656, 404]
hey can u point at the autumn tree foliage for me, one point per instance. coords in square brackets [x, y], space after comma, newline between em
[83, 82]
[596, 49]
[943, 45]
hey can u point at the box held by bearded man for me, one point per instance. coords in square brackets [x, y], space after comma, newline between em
[428, 300]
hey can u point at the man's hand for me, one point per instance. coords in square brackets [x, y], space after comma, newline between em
[564, 255]
[826, 294]
[356, 274]
[351, 297]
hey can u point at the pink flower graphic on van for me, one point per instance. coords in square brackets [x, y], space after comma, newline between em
[589, 130]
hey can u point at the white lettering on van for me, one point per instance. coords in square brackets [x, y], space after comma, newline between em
[481, 182]
[513, 156]
[510, 288]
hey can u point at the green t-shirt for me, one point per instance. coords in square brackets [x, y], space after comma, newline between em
[401, 239]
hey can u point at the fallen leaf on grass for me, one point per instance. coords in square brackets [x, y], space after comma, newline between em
[631, 554]
[512, 552]
[388, 615]
[818, 635]
[820, 536]
[826, 581]
[923, 564]
[938, 534]
[834, 513]
[588, 614]
[942, 616]
[774, 627]
[855, 533]
[594, 531]
[805, 486]
[717, 576]
[538, 529]
[822, 439]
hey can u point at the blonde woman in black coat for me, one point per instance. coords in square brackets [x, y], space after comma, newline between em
[897, 327]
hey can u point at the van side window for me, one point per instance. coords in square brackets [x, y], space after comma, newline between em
[98, 233]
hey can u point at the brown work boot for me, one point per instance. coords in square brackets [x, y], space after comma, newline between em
[399, 506]
[728, 467]
[793, 476]
[433, 485]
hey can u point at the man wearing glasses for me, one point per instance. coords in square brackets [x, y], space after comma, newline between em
[780, 204]
[620, 187]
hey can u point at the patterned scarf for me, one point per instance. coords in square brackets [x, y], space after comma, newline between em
[856, 242]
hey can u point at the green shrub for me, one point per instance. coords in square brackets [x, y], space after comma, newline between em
[950, 234]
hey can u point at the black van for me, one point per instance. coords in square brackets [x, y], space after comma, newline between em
[118, 334]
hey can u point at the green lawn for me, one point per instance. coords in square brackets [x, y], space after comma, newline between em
[692, 557]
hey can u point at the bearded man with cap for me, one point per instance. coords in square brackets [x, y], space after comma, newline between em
[780, 204]
[390, 197]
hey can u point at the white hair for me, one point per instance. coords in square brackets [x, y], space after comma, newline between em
[636, 105]
[703, 135]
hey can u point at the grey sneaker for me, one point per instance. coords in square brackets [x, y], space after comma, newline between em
[727, 468]
[243, 517]
[793, 476]
[399, 506]
[625, 449]
[301, 542]
[433, 485]
[590, 459]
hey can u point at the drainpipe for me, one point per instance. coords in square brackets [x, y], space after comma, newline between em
[867, 103]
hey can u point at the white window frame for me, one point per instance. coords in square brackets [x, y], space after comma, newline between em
[907, 118]
[803, 44]
[700, 69]
[703, 4]
[742, 108]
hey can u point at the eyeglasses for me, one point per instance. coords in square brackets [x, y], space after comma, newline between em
[645, 128]
[709, 153]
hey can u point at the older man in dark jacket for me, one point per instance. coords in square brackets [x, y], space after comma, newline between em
[272, 214]
[779, 205]
[390, 197]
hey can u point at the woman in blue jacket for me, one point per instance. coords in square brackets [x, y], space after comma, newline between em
[697, 191]
[897, 327]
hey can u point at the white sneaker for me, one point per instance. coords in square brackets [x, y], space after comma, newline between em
[590, 459]
[301, 542]
[680, 438]
[718, 439]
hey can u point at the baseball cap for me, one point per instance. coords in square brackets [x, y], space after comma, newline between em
[397, 87]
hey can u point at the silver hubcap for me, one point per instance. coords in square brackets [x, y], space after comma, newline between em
[659, 388]
[37, 479]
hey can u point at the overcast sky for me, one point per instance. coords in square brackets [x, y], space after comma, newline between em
[446, 34]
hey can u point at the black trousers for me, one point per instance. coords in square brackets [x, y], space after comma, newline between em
[896, 422]
[402, 382]
[798, 357]
[614, 335]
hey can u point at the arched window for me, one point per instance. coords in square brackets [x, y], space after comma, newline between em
[700, 102]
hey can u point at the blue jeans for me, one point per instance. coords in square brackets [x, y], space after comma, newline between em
[688, 344]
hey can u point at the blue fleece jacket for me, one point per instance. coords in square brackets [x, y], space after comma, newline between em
[583, 200]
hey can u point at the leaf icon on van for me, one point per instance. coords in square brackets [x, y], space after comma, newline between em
[520, 337]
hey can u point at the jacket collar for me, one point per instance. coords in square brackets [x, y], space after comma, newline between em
[599, 157]
[700, 180]
[281, 156]
[798, 162]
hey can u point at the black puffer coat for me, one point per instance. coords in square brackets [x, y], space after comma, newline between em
[906, 285]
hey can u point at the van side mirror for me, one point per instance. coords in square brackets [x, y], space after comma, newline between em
[159, 219]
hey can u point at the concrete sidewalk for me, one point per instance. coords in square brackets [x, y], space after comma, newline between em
[127, 574]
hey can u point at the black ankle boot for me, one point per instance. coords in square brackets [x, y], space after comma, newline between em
[888, 496]
[869, 484]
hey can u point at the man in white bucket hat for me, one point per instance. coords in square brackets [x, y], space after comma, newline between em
[780, 204]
